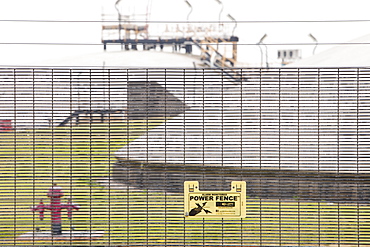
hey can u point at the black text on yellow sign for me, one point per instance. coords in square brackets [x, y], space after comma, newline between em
[213, 198]
[214, 204]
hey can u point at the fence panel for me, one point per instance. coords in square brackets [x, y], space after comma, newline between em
[120, 143]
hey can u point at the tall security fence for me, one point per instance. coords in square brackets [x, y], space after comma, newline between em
[101, 155]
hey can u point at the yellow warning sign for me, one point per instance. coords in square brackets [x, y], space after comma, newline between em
[214, 204]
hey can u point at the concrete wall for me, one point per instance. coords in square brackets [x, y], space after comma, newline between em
[261, 183]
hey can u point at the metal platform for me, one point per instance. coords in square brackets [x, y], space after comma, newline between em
[161, 42]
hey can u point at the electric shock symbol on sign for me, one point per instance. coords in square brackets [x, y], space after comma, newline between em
[199, 209]
[214, 204]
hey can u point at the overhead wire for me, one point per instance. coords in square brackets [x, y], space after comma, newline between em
[187, 22]
[198, 21]
[224, 44]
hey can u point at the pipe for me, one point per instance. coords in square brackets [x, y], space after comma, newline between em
[191, 9]
[236, 23]
[315, 40]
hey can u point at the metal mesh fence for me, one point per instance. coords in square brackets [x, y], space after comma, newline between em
[108, 151]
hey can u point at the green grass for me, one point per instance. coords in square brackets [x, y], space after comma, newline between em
[77, 158]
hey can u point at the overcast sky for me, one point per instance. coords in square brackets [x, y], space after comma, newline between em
[242, 10]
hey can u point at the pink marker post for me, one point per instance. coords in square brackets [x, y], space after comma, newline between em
[55, 193]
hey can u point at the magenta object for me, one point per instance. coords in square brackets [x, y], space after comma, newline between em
[55, 193]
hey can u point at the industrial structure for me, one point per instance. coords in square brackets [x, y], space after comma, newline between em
[131, 33]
